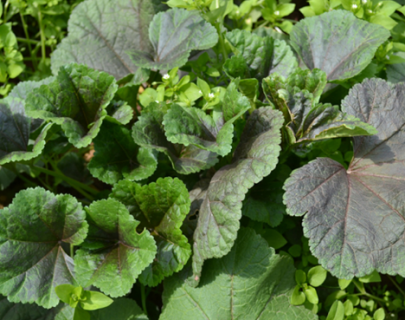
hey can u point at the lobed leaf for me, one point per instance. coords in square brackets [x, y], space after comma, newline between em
[160, 206]
[114, 253]
[221, 209]
[337, 43]
[76, 100]
[354, 218]
[251, 282]
[32, 231]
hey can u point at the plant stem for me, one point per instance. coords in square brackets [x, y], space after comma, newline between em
[30, 183]
[27, 40]
[222, 42]
[396, 284]
[72, 250]
[143, 296]
[41, 27]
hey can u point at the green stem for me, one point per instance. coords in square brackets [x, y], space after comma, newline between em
[396, 284]
[143, 296]
[27, 40]
[30, 183]
[222, 42]
[72, 250]
[41, 27]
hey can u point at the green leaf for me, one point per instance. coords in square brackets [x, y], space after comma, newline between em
[237, 286]
[16, 127]
[192, 126]
[262, 211]
[173, 35]
[396, 72]
[161, 207]
[354, 217]
[17, 311]
[6, 177]
[219, 214]
[22, 89]
[121, 111]
[379, 314]
[95, 300]
[121, 309]
[102, 31]
[32, 231]
[300, 277]
[348, 305]
[73, 166]
[337, 43]
[274, 238]
[336, 312]
[298, 297]
[261, 55]
[122, 252]
[311, 295]
[343, 284]
[81, 314]
[64, 292]
[317, 276]
[372, 277]
[76, 100]
[148, 132]
[118, 157]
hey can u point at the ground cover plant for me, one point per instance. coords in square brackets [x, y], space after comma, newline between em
[207, 159]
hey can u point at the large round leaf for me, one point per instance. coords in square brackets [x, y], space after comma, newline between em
[114, 253]
[32, 231]
[161, 207]
[355, 218]
[250, 283]
[221, 209]
[337, 43]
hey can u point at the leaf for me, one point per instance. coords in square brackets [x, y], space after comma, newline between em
[15, 130]
[337, 311]
[121, 111]
[161, 207]
[120, 253]
[337, 43]
[6, 177]
[192, 126]
[219, 214]
[251, 282]
[173, 35]
[354, 218]
[76, 100]
[102, 31]
[22, 89]
[74, 166]
[12, 311]
[148, 132]
[396, 72]
[317, 276]
[261, 56]
[372, 277]
[122, 309]
[95, 300]
[32, 231]
[118, 157]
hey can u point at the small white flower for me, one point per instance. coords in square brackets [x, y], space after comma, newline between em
[237, 11]
[211, 95]
[364, 1]
[200, 92]
[354, 6]
[166, 77]
[157, 101]
[277, 13]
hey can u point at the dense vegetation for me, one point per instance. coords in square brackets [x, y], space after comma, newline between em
[202, 159]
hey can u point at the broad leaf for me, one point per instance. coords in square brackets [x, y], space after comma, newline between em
[19, 311]
[76, 100]
[396, 72]
[259, 56]
[355, 218]
[121, 309]
[114, 253]
[161, 207]
[22, 89]
[254, 158]
[251, 282]
[192, 126]
[120, 111]
[15, 131]
[32, 231]
[337, 43]
[148, 132]
[118, 157]
[173, 35]
[102, 31]
[307, 120]
[6, 177]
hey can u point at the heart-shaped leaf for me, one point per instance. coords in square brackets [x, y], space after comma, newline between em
[114, 253]
[337, 43]
[32, 231]
[102, 31]
[219, 214]
[118, 157]
[251, 282]
[76, 100]
[160, 206]
[148, 132]
[15, 131]
[354, 218]
[173, 35]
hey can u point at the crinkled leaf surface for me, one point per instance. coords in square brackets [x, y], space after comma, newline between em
[76, 100]
[102, 31]
[192, 126]
[114, 253]
[15, 130]
[254, 158]
[120, 111]
[160, 206]
[121, 309]
[261, 56]
[118, 157]
[251, 282]
[173, 35]
[355, 218]
[19, 311]
[32, 230]
[22, 89]
[297, 97]
[337, 42]
[148, 132]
